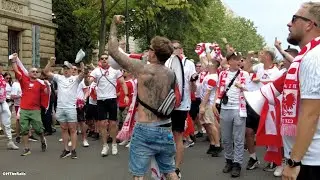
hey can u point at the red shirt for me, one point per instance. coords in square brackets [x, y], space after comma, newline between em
[31, 92]
[121, 96]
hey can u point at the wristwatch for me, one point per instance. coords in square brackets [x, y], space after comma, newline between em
[293, 163]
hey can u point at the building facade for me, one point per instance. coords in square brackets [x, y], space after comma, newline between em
[26, 28]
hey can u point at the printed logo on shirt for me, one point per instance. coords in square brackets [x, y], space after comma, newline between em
[70, 80]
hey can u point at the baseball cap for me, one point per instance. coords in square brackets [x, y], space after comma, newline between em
[67, 65]
[234, 54]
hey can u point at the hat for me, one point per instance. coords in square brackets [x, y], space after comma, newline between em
[67, 65]
[234, 54]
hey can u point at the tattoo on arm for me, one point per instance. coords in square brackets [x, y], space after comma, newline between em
[131, 65]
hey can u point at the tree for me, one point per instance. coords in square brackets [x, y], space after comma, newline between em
[71, 34]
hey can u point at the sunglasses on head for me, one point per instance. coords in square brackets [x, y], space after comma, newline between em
[295, 17]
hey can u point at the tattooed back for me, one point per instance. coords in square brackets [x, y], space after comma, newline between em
[154, 85]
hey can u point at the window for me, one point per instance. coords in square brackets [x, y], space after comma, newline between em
[13, 42]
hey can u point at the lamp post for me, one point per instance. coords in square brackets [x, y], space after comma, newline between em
[127, 28]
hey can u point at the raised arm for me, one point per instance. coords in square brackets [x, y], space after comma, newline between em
[46, 70]
[285, 54]
[134, 66]
[14, 65]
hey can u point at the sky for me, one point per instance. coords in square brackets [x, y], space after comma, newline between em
[269, 16]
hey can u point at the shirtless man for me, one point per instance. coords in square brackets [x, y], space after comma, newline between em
[152, 135]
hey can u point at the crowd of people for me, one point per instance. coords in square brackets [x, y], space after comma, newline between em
[141, 105]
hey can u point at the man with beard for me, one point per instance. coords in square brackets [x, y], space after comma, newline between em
[152, 136]
[300, 113]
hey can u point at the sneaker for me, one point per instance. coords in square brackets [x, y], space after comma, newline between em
[44, 145]
[12, 146]
[228, 167]
[178, 172]
[95, 136]
[125, 142]
[188, 144]
[236, 170]
[128, 145]
[69, 143]
[105, 150]
[60, 140]
[85, 143]
[279, 169]
[270, 167]
[65, 154]
[114, 149]
[217, 151]
[18, 139]
[252, 164]
[26, 152]
[32, 138]
[211, 149]
[73, 154]
[199, 135]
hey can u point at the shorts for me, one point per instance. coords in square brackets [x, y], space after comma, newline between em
[122, 114]
[66, 115]
[107, 109]
[148, 142]
[178, 119]
[252, 119]
[80, 114]
[194, 110]
[309, 172]
[208, 116]
[91, 112]
[33, 118]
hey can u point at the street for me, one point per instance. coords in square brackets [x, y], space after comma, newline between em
[90, 165]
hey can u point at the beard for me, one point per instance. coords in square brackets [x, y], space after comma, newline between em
[293, 41]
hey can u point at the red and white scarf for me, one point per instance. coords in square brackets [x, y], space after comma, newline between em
[128, 125]
[3, 92]
[224, 82]
[291, 92]
[44, 95]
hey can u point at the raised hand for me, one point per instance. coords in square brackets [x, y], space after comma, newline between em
[52, 60]
[277, 43]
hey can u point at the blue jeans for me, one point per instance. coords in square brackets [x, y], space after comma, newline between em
[148, 141]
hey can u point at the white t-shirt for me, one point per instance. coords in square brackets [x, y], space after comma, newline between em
[16, 90]
[8, 90]
[67, 90]
[309, 76]
[81, 87]
[252, 86]
[91, 100]
[106, 80]
[209, 83]
[234, 92]
[189, 70]
[265, 74]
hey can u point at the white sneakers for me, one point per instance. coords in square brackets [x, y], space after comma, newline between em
[125, 142]
[105, 150]
[114, 149]
[85, 143]
[69, 143]
[128, 145]
[279, 169]
[12, 146]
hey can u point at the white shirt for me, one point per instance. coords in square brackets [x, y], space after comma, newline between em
[80, 93]
[252, 86]
[234, 92]
[265, 74]
[309, 76]
[189, 70]
[209, 83]
[106, 80]
[16, 90]
[8, 90]
[67, 90]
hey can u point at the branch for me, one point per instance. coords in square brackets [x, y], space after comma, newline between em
[111, 7]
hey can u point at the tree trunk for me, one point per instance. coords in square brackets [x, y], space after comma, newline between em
[102, 33]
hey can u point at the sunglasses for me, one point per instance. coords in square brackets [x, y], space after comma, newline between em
[34, 71]
[198, 66]
[176, 47]
[106, 58]
[295, 17]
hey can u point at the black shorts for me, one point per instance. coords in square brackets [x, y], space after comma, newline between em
[80, 114]
[107, 109]
[252, 119]
[178, 119]
[309, 172]
[91, 112]
[194, 110]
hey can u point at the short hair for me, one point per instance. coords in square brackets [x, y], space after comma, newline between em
[104, 54]
[162, 47]
[270, 51]
[176, 41]
[314, 10]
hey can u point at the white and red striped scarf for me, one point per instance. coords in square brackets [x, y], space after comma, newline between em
[44, 96]
[215, 50]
